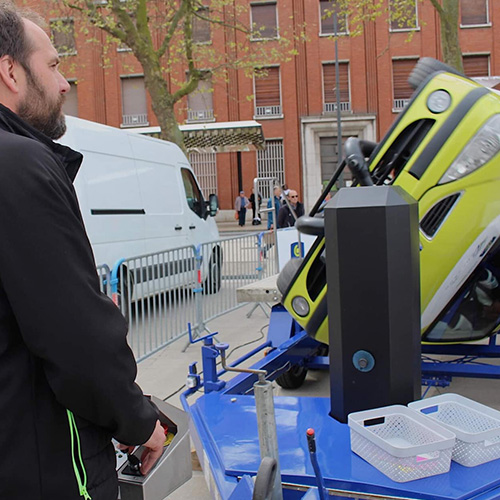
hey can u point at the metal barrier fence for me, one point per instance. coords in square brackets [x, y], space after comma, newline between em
[161, 293]
[104, 274]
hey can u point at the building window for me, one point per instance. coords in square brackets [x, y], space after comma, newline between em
[476, 65]
[63, 36]
[264, 20]
[271, 163]
[134, 107]
[329, 154]
[403, 15]
[200, 102]
[70, 106]
[401, 69]
[330, 89]
[205, 168]
[201, 26]
[326, 11]
[474, 13]
[267, 92]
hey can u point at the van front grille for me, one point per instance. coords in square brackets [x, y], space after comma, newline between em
[435, 217]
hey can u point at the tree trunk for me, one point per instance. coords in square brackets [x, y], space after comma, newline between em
[450, 44]
[163, 104]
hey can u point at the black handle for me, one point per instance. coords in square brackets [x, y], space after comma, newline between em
[311, 440]
[311, 225]
[356, 161]
[178, 228]
[192, 227]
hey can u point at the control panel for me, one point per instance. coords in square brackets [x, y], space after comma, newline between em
[173, 468]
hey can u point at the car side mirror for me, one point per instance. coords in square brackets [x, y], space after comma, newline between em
[213, 205]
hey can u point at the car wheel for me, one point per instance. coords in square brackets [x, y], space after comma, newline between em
[426, 67]
[293, 378]
[214, 279]
[287, 274]
[124, 290]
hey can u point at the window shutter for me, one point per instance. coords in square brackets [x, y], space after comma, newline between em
[201, 98]
[63, 35]
[403, 14]
[401, 69]
[264, 20]
[267, 88]
[134, 96]
[476, 65]
[326, 9]
[201, 27]
[329, 87]
[70, 106]
[474, 12]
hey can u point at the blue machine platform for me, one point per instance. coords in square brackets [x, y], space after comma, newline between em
[225, 433]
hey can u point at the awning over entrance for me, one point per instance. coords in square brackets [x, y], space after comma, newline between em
[219, 137]
[492, 82]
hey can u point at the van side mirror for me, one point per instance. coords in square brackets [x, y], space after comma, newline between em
[213, 205]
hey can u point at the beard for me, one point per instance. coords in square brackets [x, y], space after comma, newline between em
[40, 111]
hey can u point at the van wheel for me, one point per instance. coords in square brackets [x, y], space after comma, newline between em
[293, 378]
[124, 295]
[214, 279]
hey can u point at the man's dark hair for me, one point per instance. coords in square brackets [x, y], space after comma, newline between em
[13, 39]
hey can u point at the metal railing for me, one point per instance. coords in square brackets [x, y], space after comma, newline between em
[268, 111]
[399, 104]
[201, 115]
[160, 293]
[104, 274]
[331, 107]
[135, 120]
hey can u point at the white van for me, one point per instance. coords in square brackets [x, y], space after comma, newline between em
[138, 195]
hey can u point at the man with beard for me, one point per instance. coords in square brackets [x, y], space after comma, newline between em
[66, 371]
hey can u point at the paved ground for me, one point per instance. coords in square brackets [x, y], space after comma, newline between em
[164, 373]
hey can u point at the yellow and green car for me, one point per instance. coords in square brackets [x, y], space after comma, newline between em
[443, 150]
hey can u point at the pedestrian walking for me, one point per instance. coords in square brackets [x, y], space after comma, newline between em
[240, 206]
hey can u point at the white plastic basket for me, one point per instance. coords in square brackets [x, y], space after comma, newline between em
[401, 443]
[476, 426]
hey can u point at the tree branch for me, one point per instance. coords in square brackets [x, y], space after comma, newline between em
[437, 6]
[181, 12]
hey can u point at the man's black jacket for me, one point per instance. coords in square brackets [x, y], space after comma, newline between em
[285, 216]
[62, 343]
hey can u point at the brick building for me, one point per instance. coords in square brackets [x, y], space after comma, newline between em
[294, 101]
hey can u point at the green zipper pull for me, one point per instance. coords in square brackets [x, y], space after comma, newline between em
[82, 484]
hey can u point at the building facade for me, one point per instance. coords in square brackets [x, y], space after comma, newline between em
[295, 101]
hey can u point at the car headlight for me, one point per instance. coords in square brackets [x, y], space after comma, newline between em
[480, 149]
[300, 306]
[439, 101]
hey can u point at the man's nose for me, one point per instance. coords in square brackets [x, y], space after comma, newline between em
[64, 85]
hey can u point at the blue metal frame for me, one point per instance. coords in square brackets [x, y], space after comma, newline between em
[223, 426]
[469, 360]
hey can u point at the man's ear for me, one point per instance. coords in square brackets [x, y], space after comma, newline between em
[9, 73]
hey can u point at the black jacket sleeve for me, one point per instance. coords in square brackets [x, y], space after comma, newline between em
[48, 273]
[283, 216]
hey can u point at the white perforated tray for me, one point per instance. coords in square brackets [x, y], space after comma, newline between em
[401, 443]
[476, 426]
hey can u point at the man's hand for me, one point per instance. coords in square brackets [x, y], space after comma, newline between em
[154, 448]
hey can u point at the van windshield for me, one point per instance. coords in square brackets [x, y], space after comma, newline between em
[193, 194]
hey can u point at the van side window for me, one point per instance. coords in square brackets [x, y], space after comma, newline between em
[193, 193]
